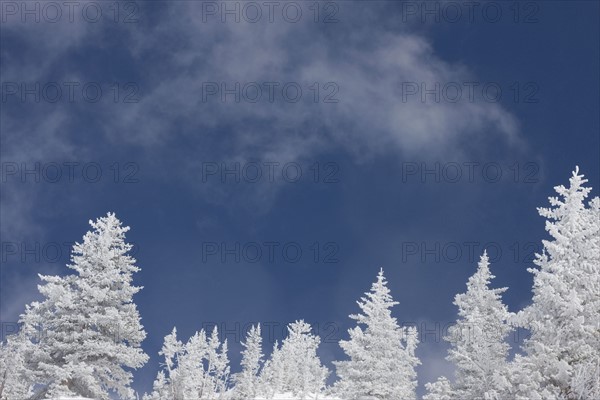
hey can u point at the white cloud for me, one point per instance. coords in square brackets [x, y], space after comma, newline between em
[176, 53]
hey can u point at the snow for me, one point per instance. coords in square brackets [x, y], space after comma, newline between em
[290, 396]
[72, 398]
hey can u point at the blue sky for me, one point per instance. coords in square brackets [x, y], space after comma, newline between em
[364, 132]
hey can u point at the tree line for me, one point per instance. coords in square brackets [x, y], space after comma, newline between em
[84, 337]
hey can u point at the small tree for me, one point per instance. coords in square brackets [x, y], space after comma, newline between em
[440, 390]
[272, 375]
[197, 369]
[295, 367]
[13, 380]
[246, 382]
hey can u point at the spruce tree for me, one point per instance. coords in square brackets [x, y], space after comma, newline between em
[295, 368]
[382, 359]
[478, 346]
[85, 335]
[198, 369]
[14, 383]
[246, 382]
[562, 355]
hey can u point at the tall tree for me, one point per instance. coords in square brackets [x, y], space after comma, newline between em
[85, 336]
[382, 361]
[478, 346]
[562, 355]
[246, 382]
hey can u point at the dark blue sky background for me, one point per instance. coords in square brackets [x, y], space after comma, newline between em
[373, 213]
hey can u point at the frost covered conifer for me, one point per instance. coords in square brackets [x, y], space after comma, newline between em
[478, 346]
[13, 381]
[562, 356]
[382, 361]
[218, 370]
[168, 383]
[440, 390]
[247, 381]
[197, 369]
[271, 375]
[85, 335]
[295, 368]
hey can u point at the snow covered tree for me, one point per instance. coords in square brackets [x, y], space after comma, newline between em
[305, 374]
[271, 376]
[85, 335]
[218, 370]
[13, 382]
[295, 368]
[168, 384]
[246, 382]
[562, 355]
[478, 343]
[198, 369]
[412, 361]
[440, 390]
[382, 361]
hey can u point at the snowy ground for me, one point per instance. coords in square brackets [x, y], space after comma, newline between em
[290, 396]
[72, 398]
[282, 396]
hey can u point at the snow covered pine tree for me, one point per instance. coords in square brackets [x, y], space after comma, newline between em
[478, 342]
[13, 381]
[82, 338]
[295, 369]
[198, 369]
[382, 360]
[247, 382]
[562, 356]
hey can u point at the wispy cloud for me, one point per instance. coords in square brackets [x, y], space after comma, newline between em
[172, 54]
